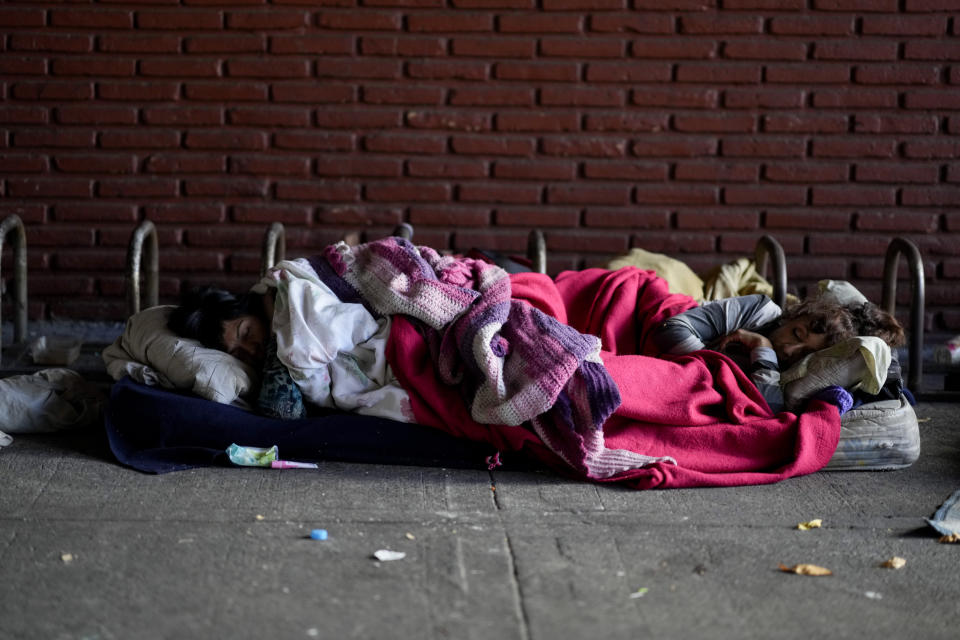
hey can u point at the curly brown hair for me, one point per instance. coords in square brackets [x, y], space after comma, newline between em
[839, 321]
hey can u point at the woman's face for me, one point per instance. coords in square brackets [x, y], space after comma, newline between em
[245, 338]
[794, 339]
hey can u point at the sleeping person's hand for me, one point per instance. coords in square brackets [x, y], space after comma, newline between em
[748, 339]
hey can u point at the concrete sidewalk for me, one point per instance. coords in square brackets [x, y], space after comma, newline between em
[92, 550]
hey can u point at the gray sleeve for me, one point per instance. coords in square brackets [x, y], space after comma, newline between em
[765, 374]
[697, 328]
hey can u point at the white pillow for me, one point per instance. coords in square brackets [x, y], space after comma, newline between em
[150, 353]
[855, 363]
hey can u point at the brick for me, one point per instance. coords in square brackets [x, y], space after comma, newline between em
[899, 74]
[268, 68]
[720, 23]
[232, 91]
[510, 47]
[582, 97]
[674, 48]
[763, 146]
[807, 218]
[953, 173]
[225, 139]
[856, 5]
[185, 212]
[23, 115]
[187, 116]
[681, 97]
[494, 146]
[191, 261]
[499, 193]
[450, 22]
[721, 122]
[764, 98]
[18, 65]
[537, 121]
[272, 19]
[898, 172]
[186, 163]
[765, 50]
[631, 218]
[855, 98]
[853, 148]
[587, 5]
[805, 123]
[138, 43]
[361, 20]
[448, 120]
[716, 171]
[581, 47]
[269, 116]
[55, 42]
[128, 187]
[180, 68]
[635, 22]
[23, 163]
[96, 114]
[226, 187]
[56, 187]
[900, 220]
[59, 91]
[853, 196]
[594, 147]
[99, 163]
[359, 165]
[846, 244]
[360, 216]
[938, 49]
[92, 19]
[373, 68]
[224, 236]
[933, 99]
[407, 191]
[588, 194]
[60, 285]
[808, 73]
[314, 141]
[179, 19]
[764, 194]
[21, 17]
[904, 25]
[87, 260]
[936, 148]
[947, 196]
[139, 91]
[538, 170]
[814, 25]
[110, 67]
[718, 219]
[311, 45]
[264, 165]
[445, 168]
[614, 242]
[312, 93]
[531, 217]
[404, 143]
[672, 242]
[726, 73]
[61, 236]
[411, 46]
[346, 118]
[682, 146]
[624, 121]
[95, 212]
[739, 244]
[871, 123]
[628, 72]
[539, 23]
[448, 70]
[226, 43]
[143, 139]
[677, 194]
[268, 213]
[400, 94]
[633, 171]
[54, 137]
[806, 172]
[491, 96]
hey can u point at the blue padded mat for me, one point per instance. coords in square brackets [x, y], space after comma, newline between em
[158, 431]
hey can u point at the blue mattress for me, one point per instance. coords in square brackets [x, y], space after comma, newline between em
[158, 431]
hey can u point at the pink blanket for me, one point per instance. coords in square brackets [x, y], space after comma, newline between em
[699, 410]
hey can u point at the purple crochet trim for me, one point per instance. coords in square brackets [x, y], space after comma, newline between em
[837, 396]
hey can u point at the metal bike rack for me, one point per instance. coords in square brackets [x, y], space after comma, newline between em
[537, 251]
[769, 249]
[274, 247]
[891, 262]
[145, 231]
[14, 225]
[403, 230]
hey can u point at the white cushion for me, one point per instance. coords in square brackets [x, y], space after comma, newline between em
[150, 353]
[855, 363]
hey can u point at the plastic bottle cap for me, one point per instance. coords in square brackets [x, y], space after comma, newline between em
[318, 534]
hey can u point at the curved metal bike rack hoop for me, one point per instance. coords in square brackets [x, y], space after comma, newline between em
[274, 247]
[768, 248]
[537, 251]
[145, 231]
[403, 230]
[14, 225]
[891, 263]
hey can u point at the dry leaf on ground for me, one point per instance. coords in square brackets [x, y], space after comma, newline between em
[953, 538]
[806, 570]
[810, 524]
[896, 562]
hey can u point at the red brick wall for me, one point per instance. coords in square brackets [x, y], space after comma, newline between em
[689, 127]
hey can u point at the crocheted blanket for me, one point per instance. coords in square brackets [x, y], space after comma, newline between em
[512, 363]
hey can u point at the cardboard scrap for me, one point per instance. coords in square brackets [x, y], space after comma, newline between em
[806, 570]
